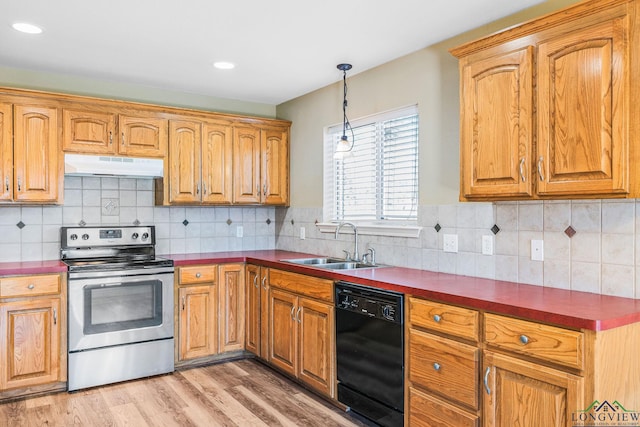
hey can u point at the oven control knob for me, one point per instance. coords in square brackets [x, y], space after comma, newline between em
[85, 236]
[73, 237]
[145, 236]
[134, 236]
[388, 312]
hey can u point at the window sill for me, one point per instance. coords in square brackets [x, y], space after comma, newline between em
[412, 231]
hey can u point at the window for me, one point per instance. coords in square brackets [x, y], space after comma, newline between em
[378, 178]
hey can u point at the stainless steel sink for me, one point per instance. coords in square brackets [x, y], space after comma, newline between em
[332, 263]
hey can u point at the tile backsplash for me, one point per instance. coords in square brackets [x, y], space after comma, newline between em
[589, 245]
[599, 253]
[31, 233]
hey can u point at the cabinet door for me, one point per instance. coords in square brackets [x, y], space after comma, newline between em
[264, 313]
[30, 342]
[246, 165]
[198, 332]
[6, 152]
[184, 161]
[316, 337]
[275, 166]
[142, 136]
[582, 130]
[89, 132]
[217, 167]
[232, 302]
[283, 331]
[496, 126]
[512, 387]
[36, 154]
[252, 293]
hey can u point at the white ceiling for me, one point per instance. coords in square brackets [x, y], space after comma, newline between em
[282, 48]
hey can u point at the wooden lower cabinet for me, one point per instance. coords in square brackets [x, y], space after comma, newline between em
[33, 350]
[301, 329]
[521, 393]
[429, 411]
[232, 302]
[198, 326]
[257, 310]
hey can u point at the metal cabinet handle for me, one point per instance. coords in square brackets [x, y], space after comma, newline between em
[264, 283]
[522, 175]
[183, 303]
[436, 366]
[55, 316]
[486, 380]
[198, 188]
[123, 138]
[524, 339]
[204, 188]
[198, 275]
[298, 315]
[110, 137]
[6, 183]
[19, 184]
[255, 281]
[292, 310]
[258, 189]
[31, 286]
[264, 190]
[540, 165]
[437, 318]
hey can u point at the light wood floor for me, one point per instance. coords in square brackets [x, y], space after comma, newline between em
[239, 393]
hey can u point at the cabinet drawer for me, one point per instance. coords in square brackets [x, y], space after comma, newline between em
[197, 274]
[444, 366]
[428, 411]
[544, 342]
[20, 286]
[448, 319]
[313, 287]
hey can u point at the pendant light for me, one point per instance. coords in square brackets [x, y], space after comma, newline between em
[344, 146]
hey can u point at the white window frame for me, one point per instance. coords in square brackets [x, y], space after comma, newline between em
[384, 227]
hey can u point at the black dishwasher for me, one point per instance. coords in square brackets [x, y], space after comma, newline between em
[370, 352]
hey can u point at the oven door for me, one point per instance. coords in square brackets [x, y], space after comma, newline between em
[121, 309]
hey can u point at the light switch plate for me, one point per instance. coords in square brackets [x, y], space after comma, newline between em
[303, 233]
[537, 250]
[487, 245]
[450, 243]
[239, 231]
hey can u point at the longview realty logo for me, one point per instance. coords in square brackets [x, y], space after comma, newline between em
[606, 414]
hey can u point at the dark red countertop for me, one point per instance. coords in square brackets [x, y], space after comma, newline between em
[571, 309]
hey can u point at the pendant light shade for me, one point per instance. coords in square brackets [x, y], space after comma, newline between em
[344, 146]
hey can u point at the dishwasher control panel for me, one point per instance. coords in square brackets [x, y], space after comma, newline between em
[369, 302]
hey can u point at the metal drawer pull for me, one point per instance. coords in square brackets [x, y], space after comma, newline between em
[437, 318]
[524, 339]
[255, 282]
[55, 317]
[436, 366]
[110, 138]
[486, 381]
[292, 310]
[198, 275]
[540, 173]
[31, 286]
[298, 315]
[264, 283]
[522, 177]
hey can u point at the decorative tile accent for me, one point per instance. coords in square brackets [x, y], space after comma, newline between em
[438, 228]
[292, 222]
[495, 229]
[110, 207]
[82, 223]
[268, 221]
[569, 231]
[136, 222]
[185, 222]
[229, 222]
[21, 225]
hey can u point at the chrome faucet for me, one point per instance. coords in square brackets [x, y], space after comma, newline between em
[356, 255]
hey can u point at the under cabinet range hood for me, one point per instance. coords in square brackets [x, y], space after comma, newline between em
[86, 165]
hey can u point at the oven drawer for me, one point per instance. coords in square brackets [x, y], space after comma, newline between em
[21, 286]
[197, 274]
[533, 339]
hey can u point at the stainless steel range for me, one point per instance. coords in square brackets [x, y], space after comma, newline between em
[120, 305]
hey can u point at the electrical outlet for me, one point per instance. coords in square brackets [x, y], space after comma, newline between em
[450, 243]
[487, 245]
[239, 231]
[537, 250]
[303, 233]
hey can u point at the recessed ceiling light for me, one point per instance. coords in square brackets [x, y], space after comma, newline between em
[24, 27]
[223, 65]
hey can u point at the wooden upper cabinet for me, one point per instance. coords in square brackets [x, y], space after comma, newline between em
[142, 136]
[274, 145]
[496, 125]
[217, 167]
[246, 165]
[89, 132]
[184, 161]
[582, 125]
[6, 152]
[36, 154]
